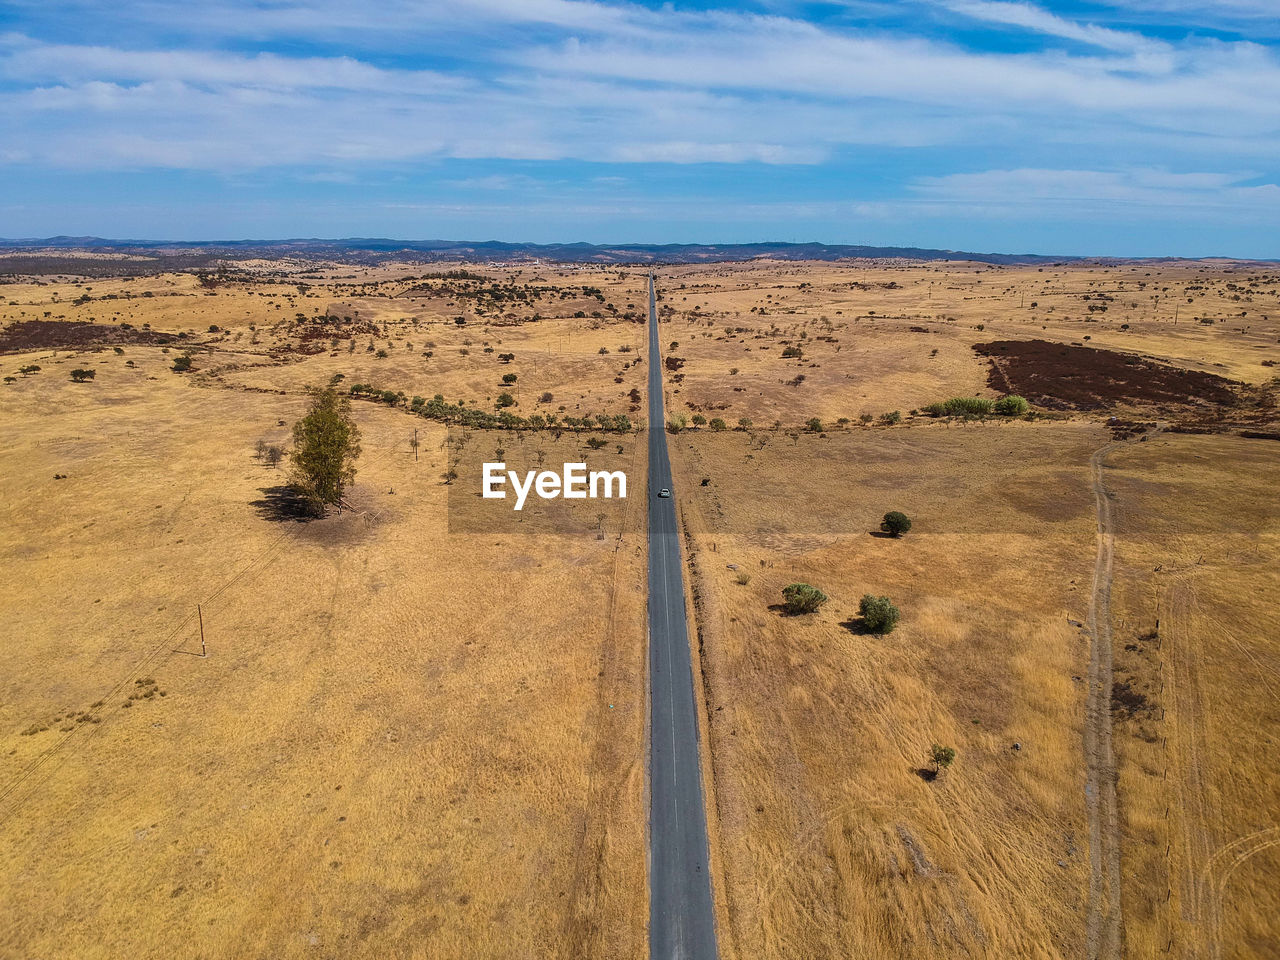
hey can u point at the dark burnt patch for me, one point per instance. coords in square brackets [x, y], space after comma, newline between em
[1061, 376]
[26, 335]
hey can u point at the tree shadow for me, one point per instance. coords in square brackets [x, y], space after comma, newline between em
[781, 610]
[281, 504]
[858, 627]
[882, 535]
[925, 774]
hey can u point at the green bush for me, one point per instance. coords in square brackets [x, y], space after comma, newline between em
[878, 613]
[181, 364]
[789, 353]
[895, 523]
[967, 407]
[80, 376]
[718, 424]
[813, 425]
[1012, 406]
[802, 598]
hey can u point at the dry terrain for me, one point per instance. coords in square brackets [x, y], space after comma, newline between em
[405, 740]
[419, 728]
[1086, 814]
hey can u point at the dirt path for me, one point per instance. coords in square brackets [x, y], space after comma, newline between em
[1104, 935]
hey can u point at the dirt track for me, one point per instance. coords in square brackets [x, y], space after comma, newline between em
[1105, 923]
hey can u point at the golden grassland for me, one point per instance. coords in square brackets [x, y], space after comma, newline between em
[399, 331]
[377, 758]
[877, 338]
[1198, 693]
[834, 842]
[419, 729]
[831, 842]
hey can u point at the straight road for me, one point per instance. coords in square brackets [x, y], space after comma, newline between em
[681, 917]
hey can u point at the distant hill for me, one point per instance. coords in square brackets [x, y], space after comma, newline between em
[365, 249]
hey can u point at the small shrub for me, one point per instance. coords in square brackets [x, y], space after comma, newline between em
[801, 598]
[942, 757]
[743, 577]
[813, 425]
[181, 364]
[878, 613]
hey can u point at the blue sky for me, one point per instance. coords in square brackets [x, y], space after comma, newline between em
[1114, 127]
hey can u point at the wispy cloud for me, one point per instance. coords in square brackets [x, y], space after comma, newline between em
[1030, 17]
[1092, 109]
[1183, 193]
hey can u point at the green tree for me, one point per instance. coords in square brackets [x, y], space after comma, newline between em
[813, 425]
[509, 378]
[802, 598]
[718, 424]
[326, 444]
[181, 364]
[895, 523]
[80, 376]
[878, 613]
[506, 400]
[942, 757]
[969, 408]
[699, 420]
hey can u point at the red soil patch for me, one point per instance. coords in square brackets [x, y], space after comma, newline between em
[1066, 377]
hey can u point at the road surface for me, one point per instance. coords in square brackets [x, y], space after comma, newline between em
[681, 917]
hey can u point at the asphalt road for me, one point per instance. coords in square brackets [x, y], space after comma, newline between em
[681, 917]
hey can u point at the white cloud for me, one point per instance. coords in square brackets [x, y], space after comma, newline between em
[622, 83]
[1174, 193]
[1039, 20]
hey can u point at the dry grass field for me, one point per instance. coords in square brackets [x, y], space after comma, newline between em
[875, 337]
[834, 841]
[831, 840]
[377, 758]
[1197, 700]
[419, 729]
